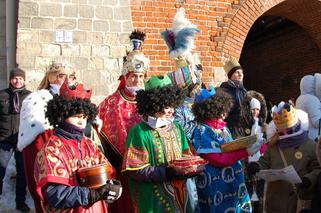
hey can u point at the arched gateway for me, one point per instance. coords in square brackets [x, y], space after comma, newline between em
[225, 26]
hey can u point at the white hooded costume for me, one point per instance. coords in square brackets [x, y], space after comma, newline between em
[309, 101]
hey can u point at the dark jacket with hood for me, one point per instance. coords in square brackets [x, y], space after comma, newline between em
[9, 117]
[237, 91]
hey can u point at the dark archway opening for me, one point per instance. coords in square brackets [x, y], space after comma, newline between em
[276, 54]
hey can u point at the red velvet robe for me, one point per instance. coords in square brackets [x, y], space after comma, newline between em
[118, 113]
[29, 157]
[58, 161]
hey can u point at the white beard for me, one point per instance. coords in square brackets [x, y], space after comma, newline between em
[54, 88]
[133, 90]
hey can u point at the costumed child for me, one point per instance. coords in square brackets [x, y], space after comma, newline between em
[66, 152]
[253, 117]
[152, 145]
[292, 147]
[221, 188]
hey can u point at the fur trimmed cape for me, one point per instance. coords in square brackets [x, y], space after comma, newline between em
[32, 119]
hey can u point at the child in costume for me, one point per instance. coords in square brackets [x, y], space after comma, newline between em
[67, 151]
[151, 147]
[293, 147]
[221, 188]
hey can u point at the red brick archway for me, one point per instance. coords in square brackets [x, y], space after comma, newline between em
[277, 73]
[224, 25]
[241, 23]
[305, 13]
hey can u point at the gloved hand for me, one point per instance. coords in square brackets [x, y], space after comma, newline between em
[110, 192]
[253, 168]
[98, 123]
[254, 148]
[172, 173]
[306, 183]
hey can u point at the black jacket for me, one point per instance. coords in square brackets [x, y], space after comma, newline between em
[237, 91]
[9, 120]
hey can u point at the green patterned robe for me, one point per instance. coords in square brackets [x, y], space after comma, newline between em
[150, 147]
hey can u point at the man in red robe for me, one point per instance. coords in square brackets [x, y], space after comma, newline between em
[118, 111]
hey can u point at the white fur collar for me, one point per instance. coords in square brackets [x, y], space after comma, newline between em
[32, 117]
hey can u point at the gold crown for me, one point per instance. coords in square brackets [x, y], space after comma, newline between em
[181, 62]
[60, 67]
[230, 64]
[286, 118]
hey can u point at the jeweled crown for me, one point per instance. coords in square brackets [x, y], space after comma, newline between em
[285, 117]
[205, 94]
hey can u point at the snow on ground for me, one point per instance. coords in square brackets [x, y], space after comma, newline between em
[7, 199]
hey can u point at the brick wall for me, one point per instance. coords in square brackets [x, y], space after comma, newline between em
[224, 25]
[3, 58]
[100, 39]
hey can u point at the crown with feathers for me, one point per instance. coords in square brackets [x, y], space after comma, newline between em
[135, 60]
[180, 41]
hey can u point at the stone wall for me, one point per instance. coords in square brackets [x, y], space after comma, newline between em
[3, 58]
[100, 31]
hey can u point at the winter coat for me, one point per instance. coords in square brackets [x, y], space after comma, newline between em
[280, 196]
[309, 101]
[9, 120]
[237, 91]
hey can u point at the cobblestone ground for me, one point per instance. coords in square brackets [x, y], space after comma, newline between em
[7, 199]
